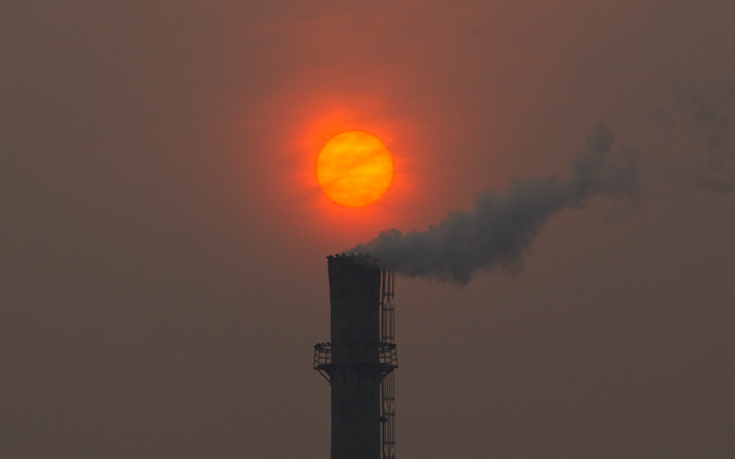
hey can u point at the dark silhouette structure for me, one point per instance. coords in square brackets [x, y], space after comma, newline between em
[359, 360]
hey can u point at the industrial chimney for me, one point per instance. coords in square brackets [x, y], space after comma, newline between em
[359, 360]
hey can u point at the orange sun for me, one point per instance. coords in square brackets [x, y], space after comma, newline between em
[354, 169]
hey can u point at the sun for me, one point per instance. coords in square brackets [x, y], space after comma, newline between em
[354, 169]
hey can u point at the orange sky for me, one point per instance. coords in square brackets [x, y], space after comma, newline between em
[408, 82]
[163, 237]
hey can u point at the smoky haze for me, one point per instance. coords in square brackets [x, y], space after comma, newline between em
[705, 112]
[501, 226]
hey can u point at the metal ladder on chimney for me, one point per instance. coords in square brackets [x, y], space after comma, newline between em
[387, 389]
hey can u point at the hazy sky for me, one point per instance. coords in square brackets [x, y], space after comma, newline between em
[163, 239]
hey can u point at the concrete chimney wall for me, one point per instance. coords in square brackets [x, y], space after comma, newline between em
[354, 286]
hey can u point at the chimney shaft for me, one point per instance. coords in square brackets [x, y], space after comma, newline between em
[360, 359]
[354, 287]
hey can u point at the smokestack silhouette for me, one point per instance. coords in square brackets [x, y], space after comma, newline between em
[498, 229]
[359, 360]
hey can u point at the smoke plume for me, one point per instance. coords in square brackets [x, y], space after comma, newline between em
[702, 116]
[496, 232]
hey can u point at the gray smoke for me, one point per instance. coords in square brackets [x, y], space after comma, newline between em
[496, 232]
[703, 115]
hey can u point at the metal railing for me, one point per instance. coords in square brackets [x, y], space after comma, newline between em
[384, 355]
[387, 385]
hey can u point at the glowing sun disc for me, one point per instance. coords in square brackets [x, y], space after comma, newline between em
[354, 169]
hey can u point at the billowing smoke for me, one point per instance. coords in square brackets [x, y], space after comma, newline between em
[496, 232]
